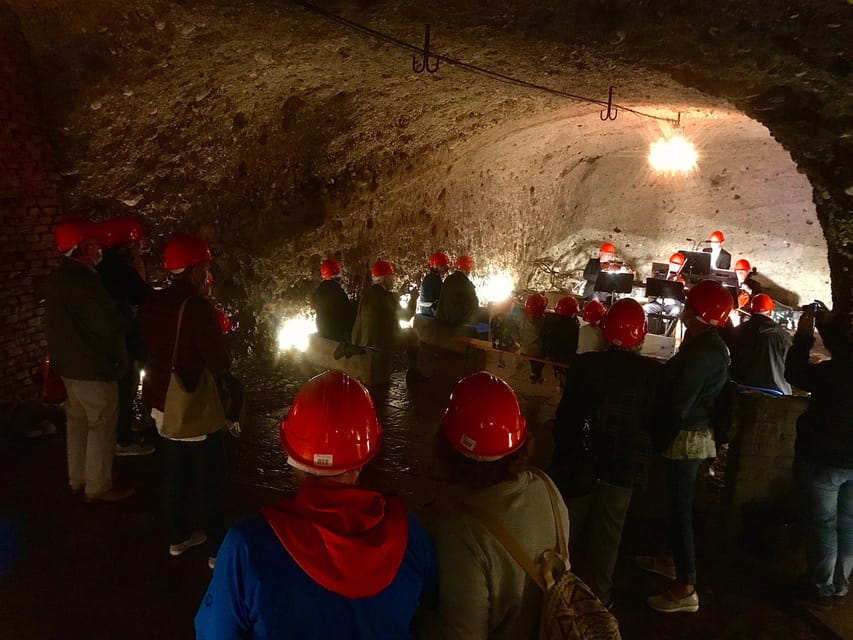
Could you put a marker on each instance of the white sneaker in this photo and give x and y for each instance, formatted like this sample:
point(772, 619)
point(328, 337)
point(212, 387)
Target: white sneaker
point(666, 604)
point(134, 449)
point(211, 562)
point(197, 538)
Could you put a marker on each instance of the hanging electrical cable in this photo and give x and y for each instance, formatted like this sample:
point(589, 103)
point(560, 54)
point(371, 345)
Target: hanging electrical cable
point(495, 75)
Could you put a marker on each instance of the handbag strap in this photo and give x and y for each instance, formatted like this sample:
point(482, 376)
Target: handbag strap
point(508, 541)
point(178, 333)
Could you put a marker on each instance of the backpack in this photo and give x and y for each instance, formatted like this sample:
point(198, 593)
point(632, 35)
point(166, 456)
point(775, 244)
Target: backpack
point(570, 610)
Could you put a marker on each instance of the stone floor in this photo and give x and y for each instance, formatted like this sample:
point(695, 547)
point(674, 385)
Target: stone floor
point(103, 571)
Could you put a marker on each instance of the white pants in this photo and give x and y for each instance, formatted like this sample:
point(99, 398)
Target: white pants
point(91, 412)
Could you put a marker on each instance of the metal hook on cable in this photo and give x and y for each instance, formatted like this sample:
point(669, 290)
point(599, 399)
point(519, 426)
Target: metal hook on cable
point(612, 112)
point(425, 64)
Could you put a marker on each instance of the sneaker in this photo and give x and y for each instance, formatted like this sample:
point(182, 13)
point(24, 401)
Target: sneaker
point(211, 562)
point(197, 538)
point(655, 564)
point(116, 494)
point(134, 449)
point(665, 603)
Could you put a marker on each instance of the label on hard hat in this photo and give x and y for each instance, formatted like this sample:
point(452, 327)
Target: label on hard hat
point(323, 459)
point(468, 443)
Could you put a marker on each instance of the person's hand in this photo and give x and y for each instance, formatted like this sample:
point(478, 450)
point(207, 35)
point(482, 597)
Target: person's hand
point(806, 324)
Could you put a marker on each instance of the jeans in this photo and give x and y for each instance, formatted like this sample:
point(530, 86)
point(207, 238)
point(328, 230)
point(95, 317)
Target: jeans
point(826, 502)
point(596, 522)
point(681, 480)
point(202, 463)
point(91, 411)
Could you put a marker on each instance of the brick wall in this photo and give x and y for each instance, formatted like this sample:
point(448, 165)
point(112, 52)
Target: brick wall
point(29, 206)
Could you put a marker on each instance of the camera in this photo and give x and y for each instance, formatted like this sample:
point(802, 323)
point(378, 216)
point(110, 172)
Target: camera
point(812, 306)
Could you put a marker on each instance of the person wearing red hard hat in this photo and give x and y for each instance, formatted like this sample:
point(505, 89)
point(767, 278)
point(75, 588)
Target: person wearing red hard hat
point(748, 285)
point(121, 238)
point(376, 323)
point(335, 312)
point(430, 290)
point(602, 441)
point(531, 332)
point(560, 334)
point(666, 306)
point(720, 258)
point(758, 348)
point(334, 560)
point(693, 378)
point(604, 262)
point(86, 345)
point(483, 591)
point(458, 304)
point(182, 334)
point(589, 333)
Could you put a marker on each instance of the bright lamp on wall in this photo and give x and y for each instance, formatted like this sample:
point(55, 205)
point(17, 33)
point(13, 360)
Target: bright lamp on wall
point(673, 155)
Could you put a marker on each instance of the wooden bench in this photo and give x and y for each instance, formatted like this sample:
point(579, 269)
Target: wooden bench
point(372, 367)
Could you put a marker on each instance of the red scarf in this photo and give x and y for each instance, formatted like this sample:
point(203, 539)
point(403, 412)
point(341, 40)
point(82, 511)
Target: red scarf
point(349, 540)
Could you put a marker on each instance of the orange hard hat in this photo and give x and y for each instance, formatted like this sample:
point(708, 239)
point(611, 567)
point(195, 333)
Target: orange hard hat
point(593, 312)
point(676, 258)
point(381, 268)
point(711, 302)
point(567, 306)
point(119, 231)
point(483, 420)
point(185, 251)
point(607, 248)
point(464, 263)
point(329, 268)
point(70, 233)
point(331, 427)
point(762, 303)
point(742, 265)
point(624, 325)
point(716, 236)
point(535, 305)
point(439, 259)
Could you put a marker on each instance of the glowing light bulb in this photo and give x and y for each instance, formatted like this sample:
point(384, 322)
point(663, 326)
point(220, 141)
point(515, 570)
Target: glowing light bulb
point(294, 331)
point(673, 155)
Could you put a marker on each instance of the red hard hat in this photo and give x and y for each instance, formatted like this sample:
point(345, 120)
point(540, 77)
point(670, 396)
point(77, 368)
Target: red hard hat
point(742, 265)
point(185, 251)
point(607, 248)
point(439, 259)
point(225, 324)
point(762, 303)
point(329, 268)
point(716, 236)
point(483, 420)
point(567, 306)
point(625, 324)
point(711, 302)
point(676, 258)
point(535, 305)
point(331, 426)
point(464, 263)
point(381, 268)
point(593, 312)
point(70, 233)
point(119, 231)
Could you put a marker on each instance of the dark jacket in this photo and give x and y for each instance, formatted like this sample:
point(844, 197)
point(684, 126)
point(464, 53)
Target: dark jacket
point(431, 286)
point(753, 284)
point(201, 344)
point(376, 322)
point(724, 261)
point(825, 430)
point(590, 274)
point(560, 337)
point(606, 411)
point(458, 303)
point(693, 380)
point(85, 329)
point(758, 349)
point(335, 312)
point(129, 291)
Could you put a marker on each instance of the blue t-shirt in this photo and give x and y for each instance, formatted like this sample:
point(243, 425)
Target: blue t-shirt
point(257, 591)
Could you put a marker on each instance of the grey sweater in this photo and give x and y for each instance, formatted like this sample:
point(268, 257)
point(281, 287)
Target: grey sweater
point(483, 592)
